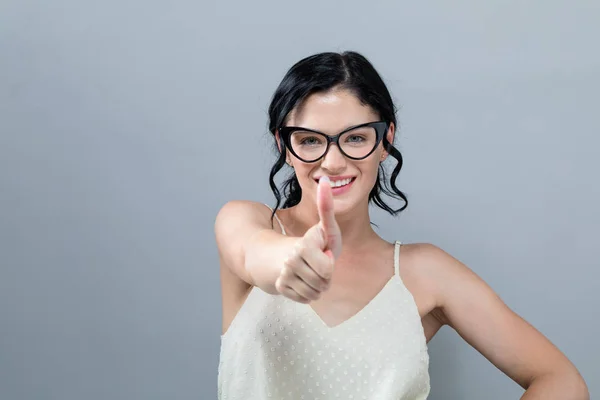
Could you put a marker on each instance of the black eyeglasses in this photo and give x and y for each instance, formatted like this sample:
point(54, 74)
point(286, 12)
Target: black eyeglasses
point(356, 142)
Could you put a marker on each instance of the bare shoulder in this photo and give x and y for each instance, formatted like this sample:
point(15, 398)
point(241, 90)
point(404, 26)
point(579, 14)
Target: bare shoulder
point(427, 254)
point(241, 211)
point(240, 217)
point(420, 265)
point(235, 223)
point(430, 262)
point(446, 278)
point(472, 308)
point(426, 262)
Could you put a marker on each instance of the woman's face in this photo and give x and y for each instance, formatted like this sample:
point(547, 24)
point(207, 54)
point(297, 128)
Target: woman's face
point(331, 113)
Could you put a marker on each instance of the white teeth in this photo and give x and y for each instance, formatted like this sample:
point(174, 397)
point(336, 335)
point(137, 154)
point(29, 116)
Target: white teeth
point(343, 182)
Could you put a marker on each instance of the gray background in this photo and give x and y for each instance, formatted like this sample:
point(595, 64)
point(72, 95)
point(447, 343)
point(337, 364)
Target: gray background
point(126, 125)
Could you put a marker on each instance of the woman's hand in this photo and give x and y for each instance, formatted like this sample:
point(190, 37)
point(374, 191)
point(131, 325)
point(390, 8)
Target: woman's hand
point(307, 271)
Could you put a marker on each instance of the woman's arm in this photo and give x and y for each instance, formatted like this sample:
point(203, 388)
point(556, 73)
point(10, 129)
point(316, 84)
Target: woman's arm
point(514, 346)
point(248, 245)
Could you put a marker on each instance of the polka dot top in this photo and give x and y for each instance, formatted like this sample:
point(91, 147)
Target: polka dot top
point(277, 348)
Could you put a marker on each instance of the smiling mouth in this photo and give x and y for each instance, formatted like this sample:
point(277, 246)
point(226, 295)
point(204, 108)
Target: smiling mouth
point(340, 183)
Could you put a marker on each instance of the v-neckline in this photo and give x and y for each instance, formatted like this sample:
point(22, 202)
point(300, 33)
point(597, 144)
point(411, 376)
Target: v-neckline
point(353, 317)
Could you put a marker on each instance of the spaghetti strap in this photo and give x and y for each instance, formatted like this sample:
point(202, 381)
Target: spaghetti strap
point(278, 220)
point(397, 257)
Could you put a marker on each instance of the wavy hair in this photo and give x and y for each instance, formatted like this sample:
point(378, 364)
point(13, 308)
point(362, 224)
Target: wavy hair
point(323, 72)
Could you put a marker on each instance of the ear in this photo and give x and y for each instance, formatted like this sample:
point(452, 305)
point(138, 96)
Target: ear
point(280, 146)
point(390, 138)
point(278, 140)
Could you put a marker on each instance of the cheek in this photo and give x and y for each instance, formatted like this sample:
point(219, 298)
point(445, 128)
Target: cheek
point(369, 173)
point(370, 169)
point(303, 173)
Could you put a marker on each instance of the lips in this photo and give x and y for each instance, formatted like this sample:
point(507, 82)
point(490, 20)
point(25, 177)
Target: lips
point(341, 186)
point(337, 181)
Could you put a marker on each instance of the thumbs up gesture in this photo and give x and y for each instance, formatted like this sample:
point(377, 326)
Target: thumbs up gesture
point(307, 271)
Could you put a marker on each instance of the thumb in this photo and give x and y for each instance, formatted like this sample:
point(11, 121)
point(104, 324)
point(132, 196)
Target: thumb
point(325, 209)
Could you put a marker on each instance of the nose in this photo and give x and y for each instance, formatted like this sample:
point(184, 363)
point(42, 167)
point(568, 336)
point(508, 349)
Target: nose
point(333, 161)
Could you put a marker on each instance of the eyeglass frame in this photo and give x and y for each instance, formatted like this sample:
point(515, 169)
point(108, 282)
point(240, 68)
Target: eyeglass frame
point(381, 127)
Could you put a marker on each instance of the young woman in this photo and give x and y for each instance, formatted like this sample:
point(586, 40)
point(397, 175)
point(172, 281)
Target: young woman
point(315, 304)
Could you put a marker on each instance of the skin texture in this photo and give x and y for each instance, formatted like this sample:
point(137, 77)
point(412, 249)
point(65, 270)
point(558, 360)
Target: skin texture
point(333, 260)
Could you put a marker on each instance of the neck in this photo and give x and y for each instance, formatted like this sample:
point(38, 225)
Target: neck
point(354, 224)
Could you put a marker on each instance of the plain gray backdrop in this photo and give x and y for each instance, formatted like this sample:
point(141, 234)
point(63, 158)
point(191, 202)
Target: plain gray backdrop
point(126, 125)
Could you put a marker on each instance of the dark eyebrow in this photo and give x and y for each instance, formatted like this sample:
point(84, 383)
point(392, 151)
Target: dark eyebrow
point(347, 127)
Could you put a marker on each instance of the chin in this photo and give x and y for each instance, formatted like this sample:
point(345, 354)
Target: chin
point(346, 204)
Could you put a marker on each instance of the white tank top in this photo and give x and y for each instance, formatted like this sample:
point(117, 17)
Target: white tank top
point(276, 348)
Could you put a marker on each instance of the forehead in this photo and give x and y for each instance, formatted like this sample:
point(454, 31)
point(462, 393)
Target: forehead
point(331, 112)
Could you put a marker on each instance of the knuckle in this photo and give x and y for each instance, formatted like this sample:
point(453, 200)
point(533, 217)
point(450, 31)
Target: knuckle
point(324, 285)
point(286, 275)
point(317, 284)
point(306, 299)
point(288, 268)
point(301, 247)
point(325, 271)
point(279, 285)
point(313, 235)
point(312, 293)
point(299, 243)
point(288, 262)
point(295, 296)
